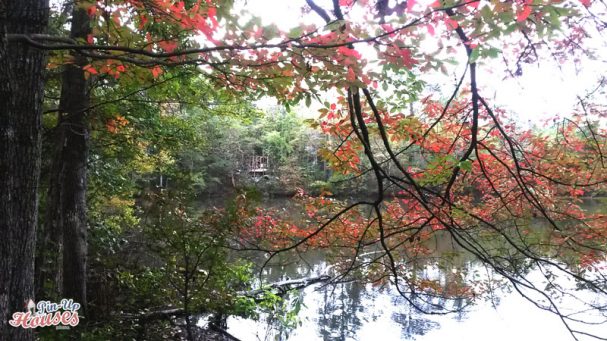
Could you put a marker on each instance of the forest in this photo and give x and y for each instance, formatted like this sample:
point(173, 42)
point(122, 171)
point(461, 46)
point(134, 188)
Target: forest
point(303, 170)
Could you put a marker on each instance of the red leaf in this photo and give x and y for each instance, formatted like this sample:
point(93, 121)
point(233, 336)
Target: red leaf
point(90, 69)
point(156, 71)
point(346, 51)
point(142, 21)
point(451, 23)
point(586, 3)
point(178, 7)
point(212, 12)
point(351, 77)
point(168, 46)
point(116, 18)
point(91, 10)
point(407, 60)
point(522, 16)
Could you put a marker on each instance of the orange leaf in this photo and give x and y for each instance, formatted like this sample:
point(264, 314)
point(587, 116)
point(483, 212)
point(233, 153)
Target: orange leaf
point(121, 120)
point(110, 125)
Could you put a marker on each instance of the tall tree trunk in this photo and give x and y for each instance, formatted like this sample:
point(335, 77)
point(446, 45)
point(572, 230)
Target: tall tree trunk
point(21, 93)
point(73, 106)
point(49, 247)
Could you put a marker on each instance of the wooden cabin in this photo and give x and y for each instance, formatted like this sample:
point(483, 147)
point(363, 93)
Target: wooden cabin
point(258, 165)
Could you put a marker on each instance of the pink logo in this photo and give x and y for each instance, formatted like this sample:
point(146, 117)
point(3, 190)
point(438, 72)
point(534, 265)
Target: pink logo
point(45, 314)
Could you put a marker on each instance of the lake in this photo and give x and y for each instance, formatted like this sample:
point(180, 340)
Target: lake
point(358, 311)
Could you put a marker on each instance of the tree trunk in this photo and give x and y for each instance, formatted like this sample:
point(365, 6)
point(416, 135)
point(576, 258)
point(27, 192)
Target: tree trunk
point(49, 248)
point(21, 93)
point(61, 259)
point(73, 106)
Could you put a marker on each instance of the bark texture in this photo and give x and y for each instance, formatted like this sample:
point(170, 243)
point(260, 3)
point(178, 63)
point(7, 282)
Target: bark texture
point(21, 94)
point(49, 248)
point(73, 106)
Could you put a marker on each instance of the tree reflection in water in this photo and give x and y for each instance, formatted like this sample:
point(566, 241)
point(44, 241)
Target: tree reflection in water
point(354, 310)
point(338, 313)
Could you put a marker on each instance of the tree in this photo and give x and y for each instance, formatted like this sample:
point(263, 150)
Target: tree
point(479, 174)
point(21, 90)
point(73, 156)
point(65, 228)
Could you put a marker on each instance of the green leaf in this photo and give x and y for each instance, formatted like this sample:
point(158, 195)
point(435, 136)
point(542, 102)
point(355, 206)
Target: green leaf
point(474, 56)
point(466, 165)
point(271, 31)
point(492, 52)
point(487, 15)
point(295, 32)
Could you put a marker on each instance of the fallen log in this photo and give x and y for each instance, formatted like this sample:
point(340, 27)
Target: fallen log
point(285, 286)
point(281, 288)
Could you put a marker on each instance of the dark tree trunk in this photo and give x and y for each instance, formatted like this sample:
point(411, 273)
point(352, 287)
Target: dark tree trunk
point(21, 93)
point(61, 259)
point(49, 248)
point(73, 106)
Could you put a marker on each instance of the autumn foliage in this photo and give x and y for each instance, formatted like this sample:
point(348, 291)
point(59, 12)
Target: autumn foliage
point(445, 160)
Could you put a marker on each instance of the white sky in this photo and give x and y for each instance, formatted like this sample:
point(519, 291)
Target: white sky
point(542, 91)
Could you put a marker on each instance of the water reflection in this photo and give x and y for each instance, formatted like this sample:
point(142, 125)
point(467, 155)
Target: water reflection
point(339, 312)
point(354, 311)
point(345, 308)
point(347, 311)
point(361, 311)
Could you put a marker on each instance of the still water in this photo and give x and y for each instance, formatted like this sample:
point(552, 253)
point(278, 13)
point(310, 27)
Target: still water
point(354, 311)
